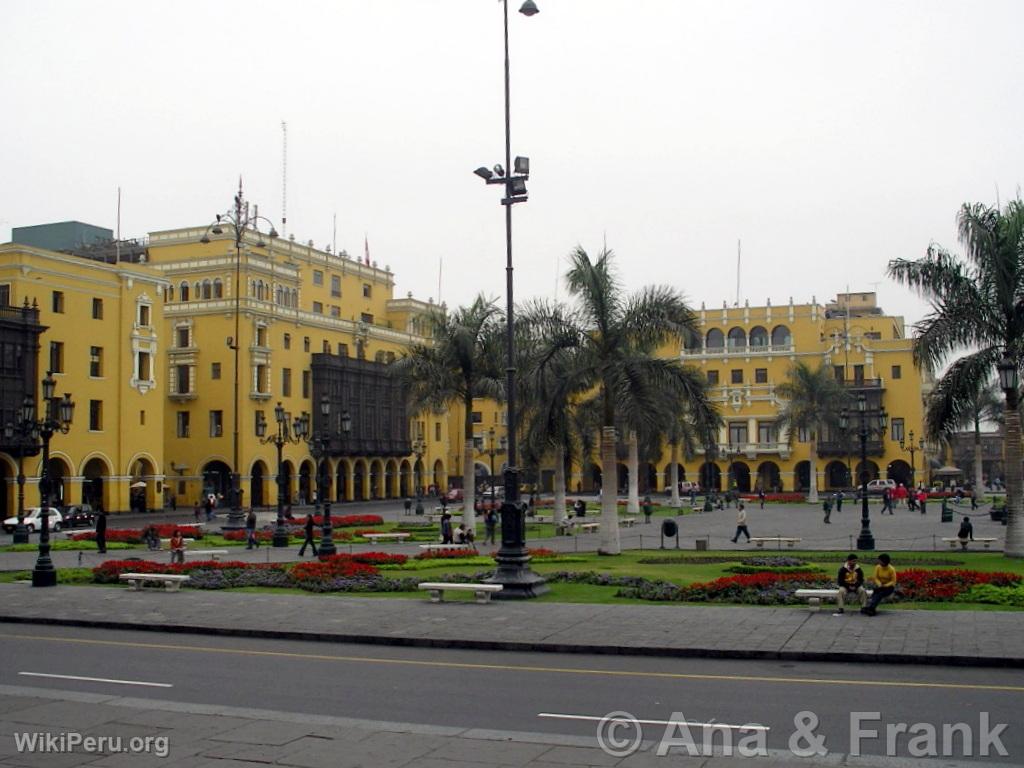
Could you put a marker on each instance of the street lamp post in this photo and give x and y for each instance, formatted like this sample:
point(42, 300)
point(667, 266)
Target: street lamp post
point(418, 448)
point(513, 571)
point(1009, 381)
point(912, 448)
point(320, 446)
point(58, 412)
point(25, 434)
point(240, 219)
point(494, 449)
point(865, 541)
point(287, 432)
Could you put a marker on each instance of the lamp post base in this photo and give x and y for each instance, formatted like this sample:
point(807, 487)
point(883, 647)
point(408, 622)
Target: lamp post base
point(518, 582)
point(20, 534)
point(865, 541)
point(42, 577)
point(280, 534)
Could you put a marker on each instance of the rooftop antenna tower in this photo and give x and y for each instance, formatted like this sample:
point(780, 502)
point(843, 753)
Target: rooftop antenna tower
point(334, 236)
point(117, 247)
point(739, 251)
point(284, 179)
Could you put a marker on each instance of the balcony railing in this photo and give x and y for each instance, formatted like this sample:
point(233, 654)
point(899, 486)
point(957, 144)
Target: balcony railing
point(849, 448)
point(746, 350)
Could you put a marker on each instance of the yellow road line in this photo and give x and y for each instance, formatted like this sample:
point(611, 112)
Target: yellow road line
point(525, 668)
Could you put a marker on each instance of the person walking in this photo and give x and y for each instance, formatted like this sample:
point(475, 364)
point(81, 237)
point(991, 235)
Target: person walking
point(851, 584)
point(208, 504)
point(839, 501)
point(886, 501)
point(447, 536)
point(408, 505)
point(885, 584)
point(741, 523)
point(922, 499)
point(195, 512)
point(490, 525)
point(250, 530)
point(101, 532)
point(308, 528)
point(826, 507)
point(761, 496)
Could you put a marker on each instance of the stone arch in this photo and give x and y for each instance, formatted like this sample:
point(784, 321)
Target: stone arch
point(341, 473)
point(592, 478)
point(307, 476)
point(216, 476)
point(376, 478)
point(869, 468)
point(438, 477)
point(899, 471)
point(287, 481)
point(680, 472)
point(647, 477)
point(405, 479)
point(218, 289)
point(95, 474)
point(768, 477)
point(391, 479)
point(740, 476)
point(325, 471)
point(144, 498)
point(257, 484)
point(183, 291)
point(714, 339)
point(737, 338)
point(781, 337)
point(359, 489)
point(802, 476)
point(759, 336)
point(837, 475)
point(207, 289)
point(710, 476)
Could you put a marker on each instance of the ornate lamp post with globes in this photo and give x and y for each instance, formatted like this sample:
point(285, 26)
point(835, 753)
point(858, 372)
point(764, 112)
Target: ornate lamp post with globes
point(912, 448)
point(58, 412)
point(865, 541)
point(25, 434)
point(287, 432)
point(319, 447)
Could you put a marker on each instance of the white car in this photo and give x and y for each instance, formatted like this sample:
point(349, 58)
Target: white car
point(34, 520)
point(879, 485)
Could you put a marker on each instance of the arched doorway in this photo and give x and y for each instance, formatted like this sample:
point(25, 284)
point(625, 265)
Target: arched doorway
point(648, 478)
point(359, 481)
point(94, 475)
point(141, 492)
point(802, 481)
point(287, 473)
point(374, 479)
point(681, 475)
point(306, 482)
point(710, 477)
point(258, 476)
point(438, 475)
point(341, 480)
point(899, 471)
point(592, 479)
point(866, 471)
point(622, 479)
point(390, 478)
point(217, 480)
point(837, 475)
point(324, 471)
point(405, 479)
point(768, 477)
point(740, 476)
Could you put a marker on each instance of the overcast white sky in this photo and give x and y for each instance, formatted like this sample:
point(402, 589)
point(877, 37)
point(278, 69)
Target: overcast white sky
point(830, 137)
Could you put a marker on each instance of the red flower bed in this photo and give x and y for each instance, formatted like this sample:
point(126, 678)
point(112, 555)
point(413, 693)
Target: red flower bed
point(244, 536)
point(134, 535)
point(379, 558)
point(442, 554)
point(924, 586)
point(335, 566)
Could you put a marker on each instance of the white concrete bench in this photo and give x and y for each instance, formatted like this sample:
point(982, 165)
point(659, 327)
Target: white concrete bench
point(212, 554)
point(434, 547)
point(171, 582)
point(375, 537)
point(790, 542)
point(483, 591)
point(588, 527)
point(987, 542)
point(539, 519)
point(627, 522)
point(815, 596)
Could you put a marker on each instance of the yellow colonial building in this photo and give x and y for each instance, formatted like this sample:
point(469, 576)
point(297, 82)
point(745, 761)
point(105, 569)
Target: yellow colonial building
point(101, 338)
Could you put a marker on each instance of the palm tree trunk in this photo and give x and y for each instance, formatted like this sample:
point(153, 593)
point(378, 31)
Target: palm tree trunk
point(673, 474)
point(1014, 546)
point(468, 487)
point(559, 516)
point(979, 487)
point(812, 458)
point(609, 495)
point(633, 507)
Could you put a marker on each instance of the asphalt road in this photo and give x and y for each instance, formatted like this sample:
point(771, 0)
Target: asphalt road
point(523, 692)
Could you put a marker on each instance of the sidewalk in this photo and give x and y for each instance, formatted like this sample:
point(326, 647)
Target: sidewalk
point(982, 638)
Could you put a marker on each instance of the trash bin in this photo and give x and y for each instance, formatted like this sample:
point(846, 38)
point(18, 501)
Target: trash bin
point(702, 545)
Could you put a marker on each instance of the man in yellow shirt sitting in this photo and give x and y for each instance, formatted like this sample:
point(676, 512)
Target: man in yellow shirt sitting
point(885, 584)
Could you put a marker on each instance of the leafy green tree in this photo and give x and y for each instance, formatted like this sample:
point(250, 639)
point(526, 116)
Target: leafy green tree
point(977, 306)
point(463, 361)
point(616, 340)
point(814, 400)
point(950, 409)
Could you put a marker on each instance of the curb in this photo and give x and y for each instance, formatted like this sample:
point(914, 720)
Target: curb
point(535, 647)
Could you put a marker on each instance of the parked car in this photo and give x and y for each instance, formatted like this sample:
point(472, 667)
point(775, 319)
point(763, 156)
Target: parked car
point(77, 515)
point(685, 486)
point(879, 485)
point(33, 520)
point(455, 494)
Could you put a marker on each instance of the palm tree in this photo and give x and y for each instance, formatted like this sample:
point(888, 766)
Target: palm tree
point(616, 338)
point(462, 362)
point(977, 305)
point(815, 399)
point(950, 409)
point(695, 426)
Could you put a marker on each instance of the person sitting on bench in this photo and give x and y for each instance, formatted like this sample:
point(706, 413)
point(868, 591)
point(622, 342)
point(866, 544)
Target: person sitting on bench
point(464, 535)
point(885, 584)
point(966, 532)
point(851, 583)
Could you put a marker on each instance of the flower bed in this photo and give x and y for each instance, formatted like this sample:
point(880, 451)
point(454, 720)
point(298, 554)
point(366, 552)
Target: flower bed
point(109, 572)
point(380, 558)
point(349, 521)
point(134, 535)
point(930, 586)
point(446, 554)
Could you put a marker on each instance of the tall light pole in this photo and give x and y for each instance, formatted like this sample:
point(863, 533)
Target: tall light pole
point(1009, 381)
point(287, 432)
point(418, 448)
point(58, 412)
point(240, 219)
point(320, 448)
point(865, 540)
point(513, 571)
point(912, 448)
point(25, 434)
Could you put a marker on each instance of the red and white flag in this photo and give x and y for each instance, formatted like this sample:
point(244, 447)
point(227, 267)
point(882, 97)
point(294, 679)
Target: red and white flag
point(366, 249)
